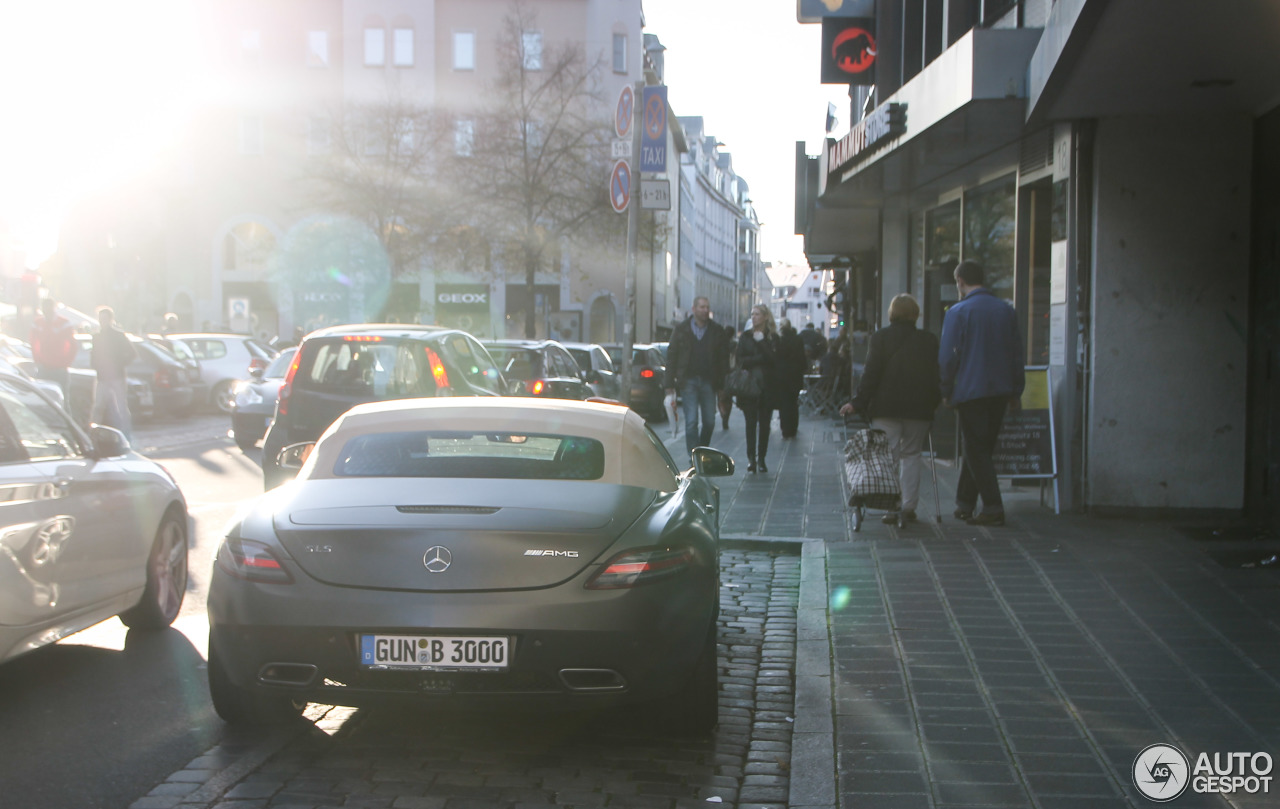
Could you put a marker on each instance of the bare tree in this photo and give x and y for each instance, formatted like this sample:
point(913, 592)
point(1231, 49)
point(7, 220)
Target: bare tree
point(381, 167)
point(539, 160)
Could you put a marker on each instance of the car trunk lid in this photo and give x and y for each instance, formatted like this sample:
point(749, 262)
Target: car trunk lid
point(453, 535)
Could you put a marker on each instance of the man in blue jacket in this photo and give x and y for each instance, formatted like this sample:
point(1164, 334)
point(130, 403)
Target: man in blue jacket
point(981, 363)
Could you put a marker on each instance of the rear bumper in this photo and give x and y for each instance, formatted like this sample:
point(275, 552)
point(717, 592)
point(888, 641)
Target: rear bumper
point(633, 645)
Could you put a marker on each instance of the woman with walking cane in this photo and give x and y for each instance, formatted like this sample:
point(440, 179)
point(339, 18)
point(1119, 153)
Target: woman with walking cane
point(898, 393)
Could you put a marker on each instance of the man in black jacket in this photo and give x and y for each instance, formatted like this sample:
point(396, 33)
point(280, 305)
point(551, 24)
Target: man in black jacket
point(697, 361)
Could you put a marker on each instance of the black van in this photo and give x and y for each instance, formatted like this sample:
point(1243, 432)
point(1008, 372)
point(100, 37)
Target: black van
point(339, 367)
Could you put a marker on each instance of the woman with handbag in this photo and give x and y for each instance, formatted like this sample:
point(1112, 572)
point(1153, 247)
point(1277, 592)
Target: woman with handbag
point(757, 354)
point(899, 390)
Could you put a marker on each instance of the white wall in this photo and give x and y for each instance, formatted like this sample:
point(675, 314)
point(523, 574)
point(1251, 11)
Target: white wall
point(1166, 423)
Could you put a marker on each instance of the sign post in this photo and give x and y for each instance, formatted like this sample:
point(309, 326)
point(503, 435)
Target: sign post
point(633, 233)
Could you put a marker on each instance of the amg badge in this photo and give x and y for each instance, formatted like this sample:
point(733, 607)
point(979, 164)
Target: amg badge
point(538, 552)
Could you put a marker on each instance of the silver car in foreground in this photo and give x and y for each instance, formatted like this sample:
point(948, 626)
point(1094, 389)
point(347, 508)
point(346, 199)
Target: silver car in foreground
point(509, 551)
point(88, 528)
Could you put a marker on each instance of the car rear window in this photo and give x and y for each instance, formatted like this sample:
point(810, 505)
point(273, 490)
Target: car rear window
point(517, 363)
point(382, 369)
point(441, 454)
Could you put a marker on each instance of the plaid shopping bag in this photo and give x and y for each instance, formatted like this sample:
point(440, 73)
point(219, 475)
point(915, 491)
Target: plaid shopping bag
point(871, 472)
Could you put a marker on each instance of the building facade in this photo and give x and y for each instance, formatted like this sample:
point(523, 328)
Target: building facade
point(1119, 194)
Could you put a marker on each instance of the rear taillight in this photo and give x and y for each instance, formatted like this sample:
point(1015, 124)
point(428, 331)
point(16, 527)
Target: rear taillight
point(161, 379)
point(257, 364)
point(252, 561)
point(646, 373)
point(282, 401)
point(641, 567)
point(536, 386)
point(438, 372)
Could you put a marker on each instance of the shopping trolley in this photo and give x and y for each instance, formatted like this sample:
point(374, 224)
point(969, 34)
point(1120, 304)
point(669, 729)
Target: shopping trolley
point(871, 470)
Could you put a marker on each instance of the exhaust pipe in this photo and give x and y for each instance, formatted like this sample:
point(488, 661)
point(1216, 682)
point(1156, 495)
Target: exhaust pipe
point(592, 680)
point(297, 675)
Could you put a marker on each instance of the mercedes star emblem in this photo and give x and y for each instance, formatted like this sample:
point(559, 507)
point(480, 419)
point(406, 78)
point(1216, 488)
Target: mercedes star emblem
point(437, 559)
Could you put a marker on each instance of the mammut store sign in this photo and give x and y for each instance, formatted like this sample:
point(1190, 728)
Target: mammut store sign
point(886, 121)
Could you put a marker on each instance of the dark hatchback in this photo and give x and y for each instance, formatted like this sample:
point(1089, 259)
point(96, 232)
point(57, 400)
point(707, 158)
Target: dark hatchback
point(648, 379)
point(542, 368)
point(340, 367)
point(165, 390)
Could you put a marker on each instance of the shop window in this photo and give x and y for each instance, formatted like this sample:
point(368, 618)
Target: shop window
point(990, 224)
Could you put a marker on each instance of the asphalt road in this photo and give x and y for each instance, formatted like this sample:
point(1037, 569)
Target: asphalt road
point(97, 719)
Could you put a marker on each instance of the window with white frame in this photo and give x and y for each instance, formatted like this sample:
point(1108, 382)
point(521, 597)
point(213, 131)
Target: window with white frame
point(375, 47)
point(317, 134)
point(464, 137)
point(402, 47)
point(250, 134)
point(464, 50)
point(619, 53)
point(404, 135)
point(317, 49)
point(531, 50)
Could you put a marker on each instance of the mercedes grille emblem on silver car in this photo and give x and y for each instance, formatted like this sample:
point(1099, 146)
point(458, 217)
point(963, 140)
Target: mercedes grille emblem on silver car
point(437, 559)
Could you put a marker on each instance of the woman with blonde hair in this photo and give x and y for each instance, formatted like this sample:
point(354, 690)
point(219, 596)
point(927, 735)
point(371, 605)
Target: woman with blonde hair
point(899, 390)
point(757, 352)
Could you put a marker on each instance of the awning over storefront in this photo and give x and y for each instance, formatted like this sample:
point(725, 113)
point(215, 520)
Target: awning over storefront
point(957, 120)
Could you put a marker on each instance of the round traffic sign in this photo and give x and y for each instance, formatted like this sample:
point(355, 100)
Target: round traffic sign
point(620, 186)
point(655, 117)
point(622, 118)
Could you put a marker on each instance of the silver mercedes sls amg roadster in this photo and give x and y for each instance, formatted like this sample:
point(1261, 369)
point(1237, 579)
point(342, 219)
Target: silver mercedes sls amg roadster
point(495, 550)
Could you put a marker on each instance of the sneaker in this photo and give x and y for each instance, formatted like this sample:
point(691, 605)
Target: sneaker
point(986, 518)
point(965, 514)
point(763, 468)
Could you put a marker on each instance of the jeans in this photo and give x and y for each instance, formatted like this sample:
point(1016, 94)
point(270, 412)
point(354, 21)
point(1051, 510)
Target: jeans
point(980, 421)
point(111, 405)
point(699, 400)
point(759, 416)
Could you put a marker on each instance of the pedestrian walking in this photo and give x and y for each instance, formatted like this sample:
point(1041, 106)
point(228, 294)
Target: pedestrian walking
point(112, 352)
point(815, 344)
point(982, 375)
point(899, 392)
point(791, 366)
point(53, 346)
point(758, 352)
point(697, 361)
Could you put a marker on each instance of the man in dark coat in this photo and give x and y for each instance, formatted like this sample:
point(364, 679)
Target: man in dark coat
point(697, 361)
point(791, 363)
point(112, 352)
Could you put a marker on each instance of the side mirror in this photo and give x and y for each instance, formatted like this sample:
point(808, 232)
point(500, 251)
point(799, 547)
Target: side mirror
point(108, 442)
point(294, 455)
point(711, 463)
point(257, 373)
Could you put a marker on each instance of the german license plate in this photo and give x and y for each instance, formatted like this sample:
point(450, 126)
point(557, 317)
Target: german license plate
point(434, 652)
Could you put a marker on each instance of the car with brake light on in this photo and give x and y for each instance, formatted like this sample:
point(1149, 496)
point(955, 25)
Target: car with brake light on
point(255, 400)
point(542, 368)
point(339, 367)
point(89, 529)
point(500, 551)
point(648, 378)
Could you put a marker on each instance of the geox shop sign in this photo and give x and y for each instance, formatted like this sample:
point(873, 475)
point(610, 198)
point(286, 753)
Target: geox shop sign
point(886, 121)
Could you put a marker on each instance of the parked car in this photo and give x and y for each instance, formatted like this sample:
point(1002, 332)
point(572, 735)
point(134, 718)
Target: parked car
point(539, 368)
point(149, 370)
point(594, 361)
point(339, 367)
point(183, 353)
point(112, 540)
point(255, 400)
point(648, 379)
point(225, 359)
point(507, 551)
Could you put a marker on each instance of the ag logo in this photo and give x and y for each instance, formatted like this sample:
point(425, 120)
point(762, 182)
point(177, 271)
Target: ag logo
point(1161, 772)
